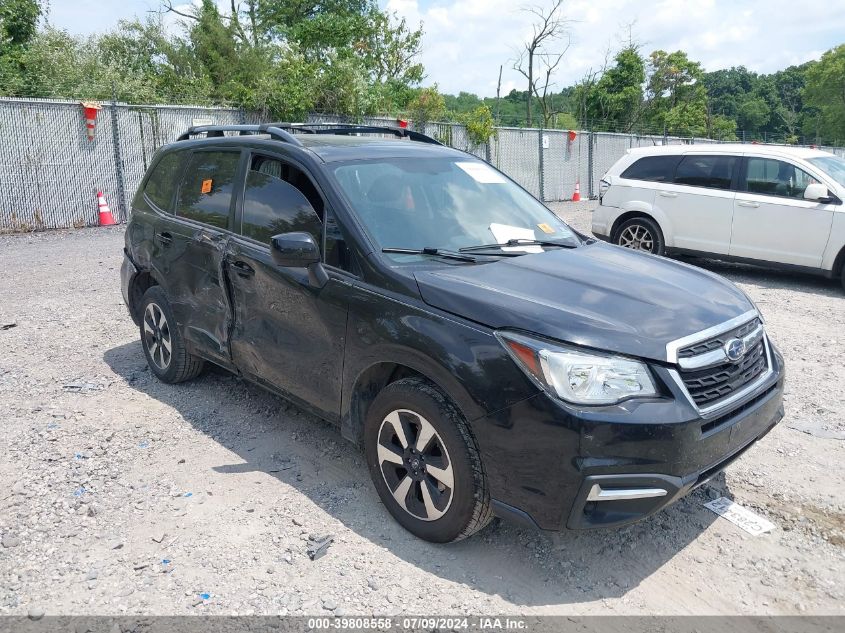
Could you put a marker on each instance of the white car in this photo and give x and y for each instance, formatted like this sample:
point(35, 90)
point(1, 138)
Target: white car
point(767, 205)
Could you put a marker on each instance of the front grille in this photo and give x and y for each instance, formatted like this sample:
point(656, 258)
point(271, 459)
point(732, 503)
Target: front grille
point(710, 385)
point(718, 341)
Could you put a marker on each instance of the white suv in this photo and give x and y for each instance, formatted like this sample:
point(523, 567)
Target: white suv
point(767, 205)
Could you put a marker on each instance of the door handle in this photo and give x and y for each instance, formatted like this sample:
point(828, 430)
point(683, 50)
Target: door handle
point(748, 203)
point(243, 269)
point(165, 238)
point(668, 194)
point(208, 239)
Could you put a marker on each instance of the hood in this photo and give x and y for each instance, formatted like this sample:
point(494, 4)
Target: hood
point(597, 295)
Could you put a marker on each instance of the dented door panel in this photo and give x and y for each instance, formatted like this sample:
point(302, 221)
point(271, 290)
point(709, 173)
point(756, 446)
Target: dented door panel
point(287, 333)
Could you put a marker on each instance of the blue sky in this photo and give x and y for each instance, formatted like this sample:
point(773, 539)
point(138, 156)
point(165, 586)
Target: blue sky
point(466, 40)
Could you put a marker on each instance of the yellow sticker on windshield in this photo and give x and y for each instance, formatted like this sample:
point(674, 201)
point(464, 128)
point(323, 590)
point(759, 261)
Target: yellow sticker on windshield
point(545, 228)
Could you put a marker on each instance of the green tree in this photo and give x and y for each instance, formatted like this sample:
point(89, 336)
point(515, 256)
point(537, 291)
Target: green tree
point(18, 27)
point(615, 101)
point(753, 114)
point(676, 99)
point(429, 105)
point(480, 125)
point(825, 91)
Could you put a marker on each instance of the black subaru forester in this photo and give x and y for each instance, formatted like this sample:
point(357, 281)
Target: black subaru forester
point(490, 359)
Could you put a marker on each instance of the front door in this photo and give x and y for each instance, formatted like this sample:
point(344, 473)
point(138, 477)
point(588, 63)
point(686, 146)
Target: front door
point(288, 333)
point(699, 202)
point(772, 221)
point(197, 238)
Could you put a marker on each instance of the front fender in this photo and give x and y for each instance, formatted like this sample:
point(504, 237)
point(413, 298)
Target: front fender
point(464, 359)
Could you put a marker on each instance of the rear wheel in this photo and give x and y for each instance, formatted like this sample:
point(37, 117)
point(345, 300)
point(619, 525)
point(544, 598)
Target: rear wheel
point(163, 345)
point(425, 463)
point(843, 278)
point(640, 234)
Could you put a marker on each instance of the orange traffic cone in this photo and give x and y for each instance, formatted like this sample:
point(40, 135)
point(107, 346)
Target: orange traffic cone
point(106, 218)
point(91, 109)
point(576, 197)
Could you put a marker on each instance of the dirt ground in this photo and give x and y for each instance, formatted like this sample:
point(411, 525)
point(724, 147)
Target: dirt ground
point(123, 495)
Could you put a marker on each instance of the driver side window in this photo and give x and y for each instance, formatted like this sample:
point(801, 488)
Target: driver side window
point(279, 198)
point(770, 177)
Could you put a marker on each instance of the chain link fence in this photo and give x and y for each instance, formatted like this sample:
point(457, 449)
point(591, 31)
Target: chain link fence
point(50, 172)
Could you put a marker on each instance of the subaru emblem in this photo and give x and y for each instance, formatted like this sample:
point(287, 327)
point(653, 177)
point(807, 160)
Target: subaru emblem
point(735, 349)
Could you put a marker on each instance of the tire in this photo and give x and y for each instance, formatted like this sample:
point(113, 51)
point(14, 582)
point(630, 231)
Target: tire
point(642, 234)
point(452, 513)
point(158, 327)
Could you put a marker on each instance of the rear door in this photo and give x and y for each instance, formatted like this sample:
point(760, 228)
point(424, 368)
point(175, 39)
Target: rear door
point(287, 333)
point(699, 202)
point(772, 221)
point(196, 243)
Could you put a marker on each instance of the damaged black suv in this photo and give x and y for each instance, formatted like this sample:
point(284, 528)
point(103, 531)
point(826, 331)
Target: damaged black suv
point(489, 359)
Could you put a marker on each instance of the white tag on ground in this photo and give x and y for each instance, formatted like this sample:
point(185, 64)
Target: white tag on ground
point(743, 517)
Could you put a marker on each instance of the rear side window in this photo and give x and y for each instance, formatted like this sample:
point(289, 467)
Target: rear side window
point(206, 191)
point(272, 205)
point(713, 172)
point(162, 183)
point(653, 168)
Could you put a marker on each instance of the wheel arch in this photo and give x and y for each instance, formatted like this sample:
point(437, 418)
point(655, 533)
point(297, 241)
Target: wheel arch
point(370, 381)
point(142, 281)
point(838, 263)
point(644, 211)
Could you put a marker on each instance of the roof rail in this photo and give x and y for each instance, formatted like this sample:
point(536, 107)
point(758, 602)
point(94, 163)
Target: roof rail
point(212, 131)
point(282, 131)
point(334, 128)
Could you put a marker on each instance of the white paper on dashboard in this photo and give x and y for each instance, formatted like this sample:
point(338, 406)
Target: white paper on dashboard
point(504, 232)
point(482, 173)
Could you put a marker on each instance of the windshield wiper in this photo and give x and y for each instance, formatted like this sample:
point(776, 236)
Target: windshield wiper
point(516, 242)
point(431, 251)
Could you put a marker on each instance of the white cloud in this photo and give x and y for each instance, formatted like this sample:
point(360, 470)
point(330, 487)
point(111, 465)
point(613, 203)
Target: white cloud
point(466, 40)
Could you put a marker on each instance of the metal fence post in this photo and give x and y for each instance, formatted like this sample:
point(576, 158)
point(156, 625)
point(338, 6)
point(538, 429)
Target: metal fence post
point(591, 155)
point(118, 160)
point(542, 167)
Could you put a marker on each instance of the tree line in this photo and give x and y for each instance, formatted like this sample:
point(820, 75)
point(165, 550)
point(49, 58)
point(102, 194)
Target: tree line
point(668, 93)
point(287, 58)
point(282, 58)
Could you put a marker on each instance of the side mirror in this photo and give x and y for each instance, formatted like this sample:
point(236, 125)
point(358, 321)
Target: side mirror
point(817, 192)
point(294, 250)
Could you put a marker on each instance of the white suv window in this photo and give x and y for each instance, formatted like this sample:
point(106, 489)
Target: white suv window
point(713, 172)
point(771, 177)
point(653, 168)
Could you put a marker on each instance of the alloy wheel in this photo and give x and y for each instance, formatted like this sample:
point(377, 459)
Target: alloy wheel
point(637, 237)
point(415, 465)
point(157, 338)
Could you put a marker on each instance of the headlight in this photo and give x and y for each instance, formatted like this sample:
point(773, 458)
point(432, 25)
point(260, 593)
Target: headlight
point(577, 376)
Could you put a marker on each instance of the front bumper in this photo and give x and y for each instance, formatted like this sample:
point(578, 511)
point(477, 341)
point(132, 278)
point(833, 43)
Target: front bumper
point(549, 464)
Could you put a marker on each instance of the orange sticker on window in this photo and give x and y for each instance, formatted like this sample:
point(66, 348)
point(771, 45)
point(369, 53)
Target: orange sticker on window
point(545, 228)
point(206, 185)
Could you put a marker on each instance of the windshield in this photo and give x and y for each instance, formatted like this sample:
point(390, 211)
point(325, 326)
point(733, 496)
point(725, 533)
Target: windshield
point(445, 203)
point(833, 166)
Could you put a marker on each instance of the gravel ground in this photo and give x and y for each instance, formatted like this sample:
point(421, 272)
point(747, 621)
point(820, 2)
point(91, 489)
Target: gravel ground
point(123, 495)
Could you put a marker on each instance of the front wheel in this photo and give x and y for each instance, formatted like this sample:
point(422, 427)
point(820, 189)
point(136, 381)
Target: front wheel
point(640, 234)
point(424, 462)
